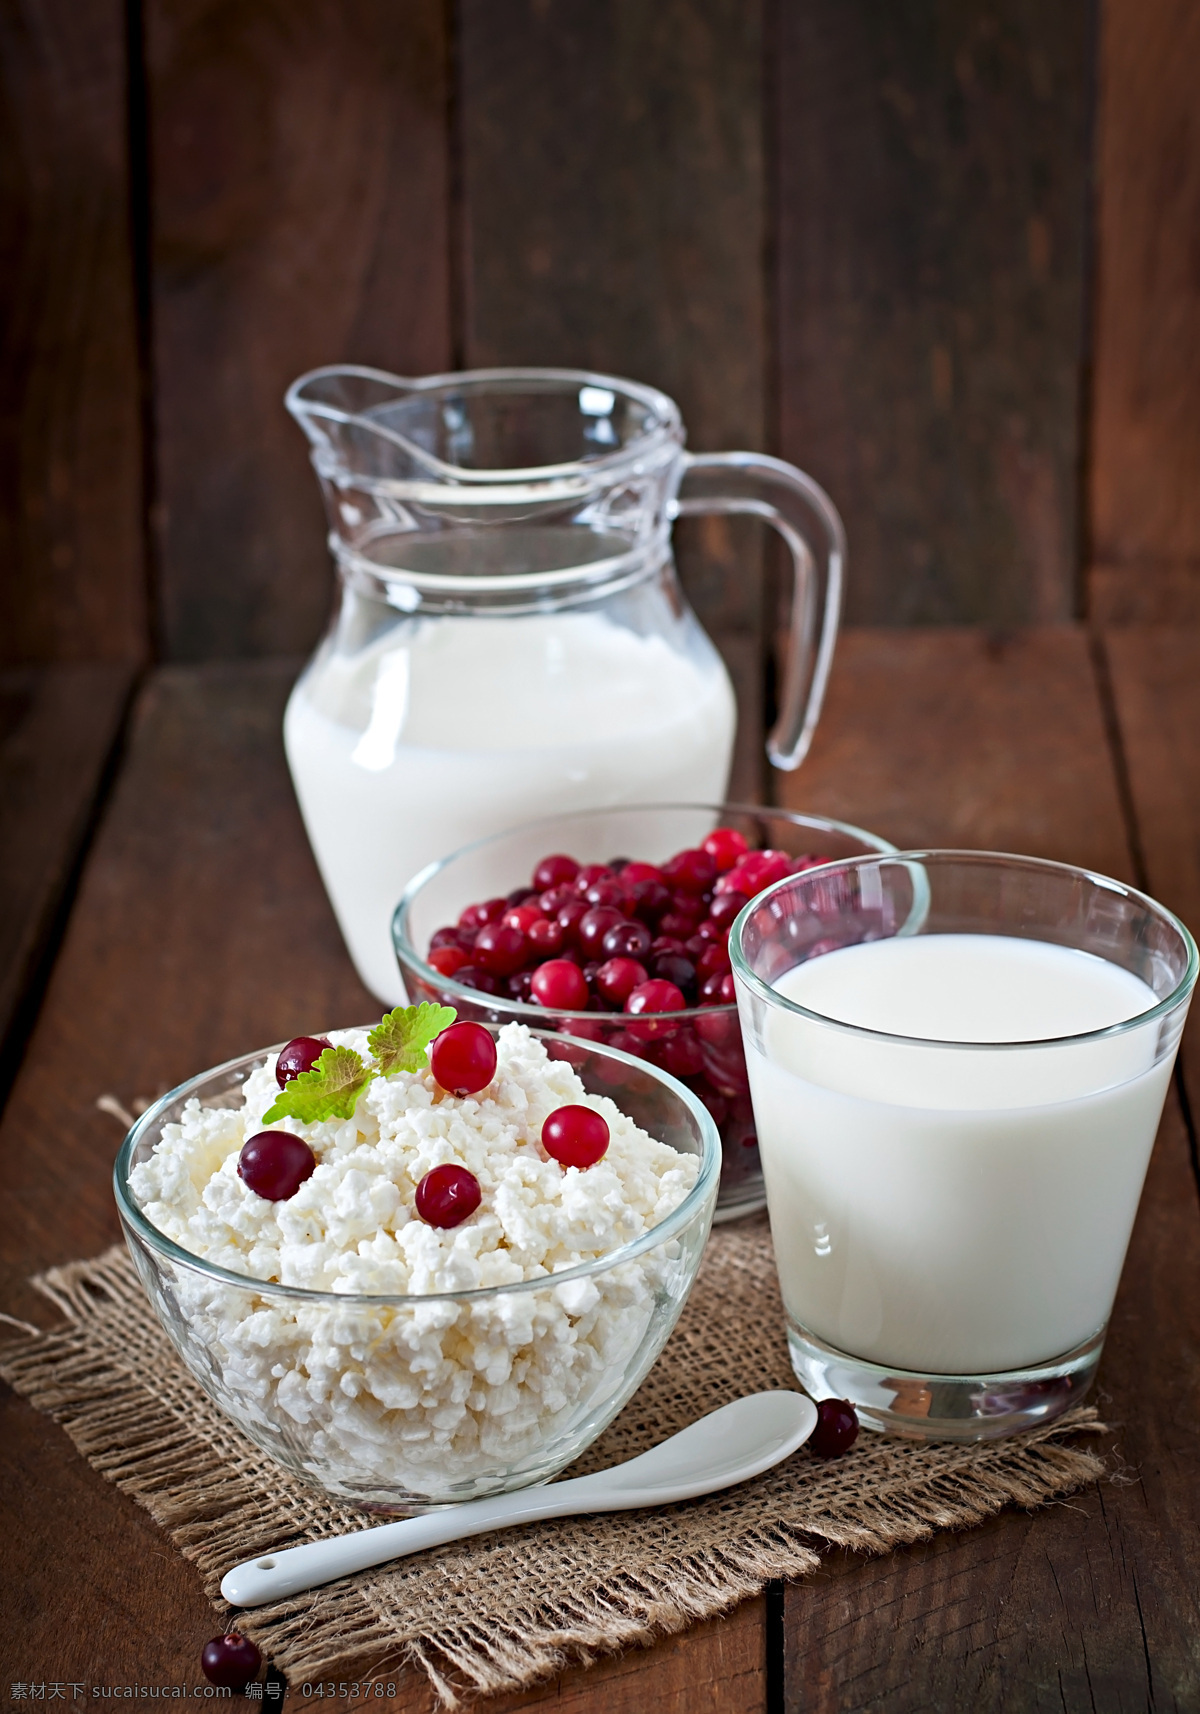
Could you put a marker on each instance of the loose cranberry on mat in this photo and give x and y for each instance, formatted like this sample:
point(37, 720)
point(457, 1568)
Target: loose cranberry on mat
point(836, 1430)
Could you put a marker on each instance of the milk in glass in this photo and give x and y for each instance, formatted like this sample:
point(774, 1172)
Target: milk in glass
point(954, 1208)
point(450, 729)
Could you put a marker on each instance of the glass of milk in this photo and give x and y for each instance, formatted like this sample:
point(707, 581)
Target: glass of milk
point(510, 639)
point(957, 1063)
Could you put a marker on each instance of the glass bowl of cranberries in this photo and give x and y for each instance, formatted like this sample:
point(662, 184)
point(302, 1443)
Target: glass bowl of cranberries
point(400, 1401)
point(611, 926)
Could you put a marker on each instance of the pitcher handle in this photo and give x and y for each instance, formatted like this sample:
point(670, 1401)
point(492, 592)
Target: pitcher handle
point(807, 519)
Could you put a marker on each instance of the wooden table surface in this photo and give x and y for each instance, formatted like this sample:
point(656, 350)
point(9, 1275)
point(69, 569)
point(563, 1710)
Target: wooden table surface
point(162, 912)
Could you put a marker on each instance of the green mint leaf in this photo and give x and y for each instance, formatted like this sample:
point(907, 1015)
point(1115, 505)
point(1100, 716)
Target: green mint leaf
point(329, 1091)
point(401, 1041)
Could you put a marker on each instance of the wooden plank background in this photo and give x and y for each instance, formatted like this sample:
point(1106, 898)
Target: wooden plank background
point(899, 244)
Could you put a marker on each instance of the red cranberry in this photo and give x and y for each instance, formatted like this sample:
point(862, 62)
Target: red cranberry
point(633, 872)
point(447, 959)
point(520, 985)
point(554, 899)
point(519, 896)
point(463, 1059)
point(681, 1054)
point(626, 940)
point(725, 845)
point(475, 916)
point(590, 969)
point(575, 1136)
point(616, 979)
point(584, 1029)
point(448, 1194)
point(690, 871)
point(570, 917)
point(593, 927)
point(650, 899)
point(607, 892)
point(719, 1029)
point(726, 1069)
point(674, 967)
point(560, 985)
point(554, 871)
point(500, 949)
point(654, 996)
point(522, 917)
point(759, 869)
point(590, 873)
point(836, 1430)
point(230, 1661)
point(545, 936)
point(726, 906)
point(718, 989)
point(713, 961)
point(663, 943)
point(677, 926)
point(445, 937)
point(625, 1043)
point(299, 1056)
point(471, 976)
point(694, 945)
point(274, 1164)
point(716, 1103)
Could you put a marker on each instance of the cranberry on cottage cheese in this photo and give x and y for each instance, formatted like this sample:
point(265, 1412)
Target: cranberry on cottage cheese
point(424, 1394)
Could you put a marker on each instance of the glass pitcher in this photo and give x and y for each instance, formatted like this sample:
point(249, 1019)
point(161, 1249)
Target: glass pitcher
point(511, 639)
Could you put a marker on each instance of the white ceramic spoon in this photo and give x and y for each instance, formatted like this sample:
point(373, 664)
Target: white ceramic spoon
point(730, 1445)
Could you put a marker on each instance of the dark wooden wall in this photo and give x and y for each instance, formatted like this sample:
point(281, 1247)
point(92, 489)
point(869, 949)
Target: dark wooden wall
point(940, 252)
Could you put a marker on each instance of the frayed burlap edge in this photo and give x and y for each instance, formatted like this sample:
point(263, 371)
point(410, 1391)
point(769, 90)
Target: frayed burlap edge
point(150, 1430)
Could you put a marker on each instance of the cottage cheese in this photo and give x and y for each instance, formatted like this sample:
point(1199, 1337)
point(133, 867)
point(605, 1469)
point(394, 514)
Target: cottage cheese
point(428, 1399)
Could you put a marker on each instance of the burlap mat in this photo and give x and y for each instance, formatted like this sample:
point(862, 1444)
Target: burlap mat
point(502, 1611)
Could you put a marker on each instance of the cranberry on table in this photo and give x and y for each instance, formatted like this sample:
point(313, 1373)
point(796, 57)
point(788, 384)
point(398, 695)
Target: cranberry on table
point(552, 871)
point(230, 1661)
point(836, 1430)
point(560, 985)
point(500, 948)
point(447, 1196)
point(463, 1059)
point(274, 1164)
point(448, 959)
point(617, 978)
point(299, 1056)
point(725, 845)
point(575, 1136)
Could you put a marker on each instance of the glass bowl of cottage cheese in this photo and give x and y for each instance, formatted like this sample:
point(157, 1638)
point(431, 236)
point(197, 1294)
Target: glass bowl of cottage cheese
point(393, 1363)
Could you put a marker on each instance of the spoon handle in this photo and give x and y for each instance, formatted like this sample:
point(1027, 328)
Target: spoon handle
point(274, 1576)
